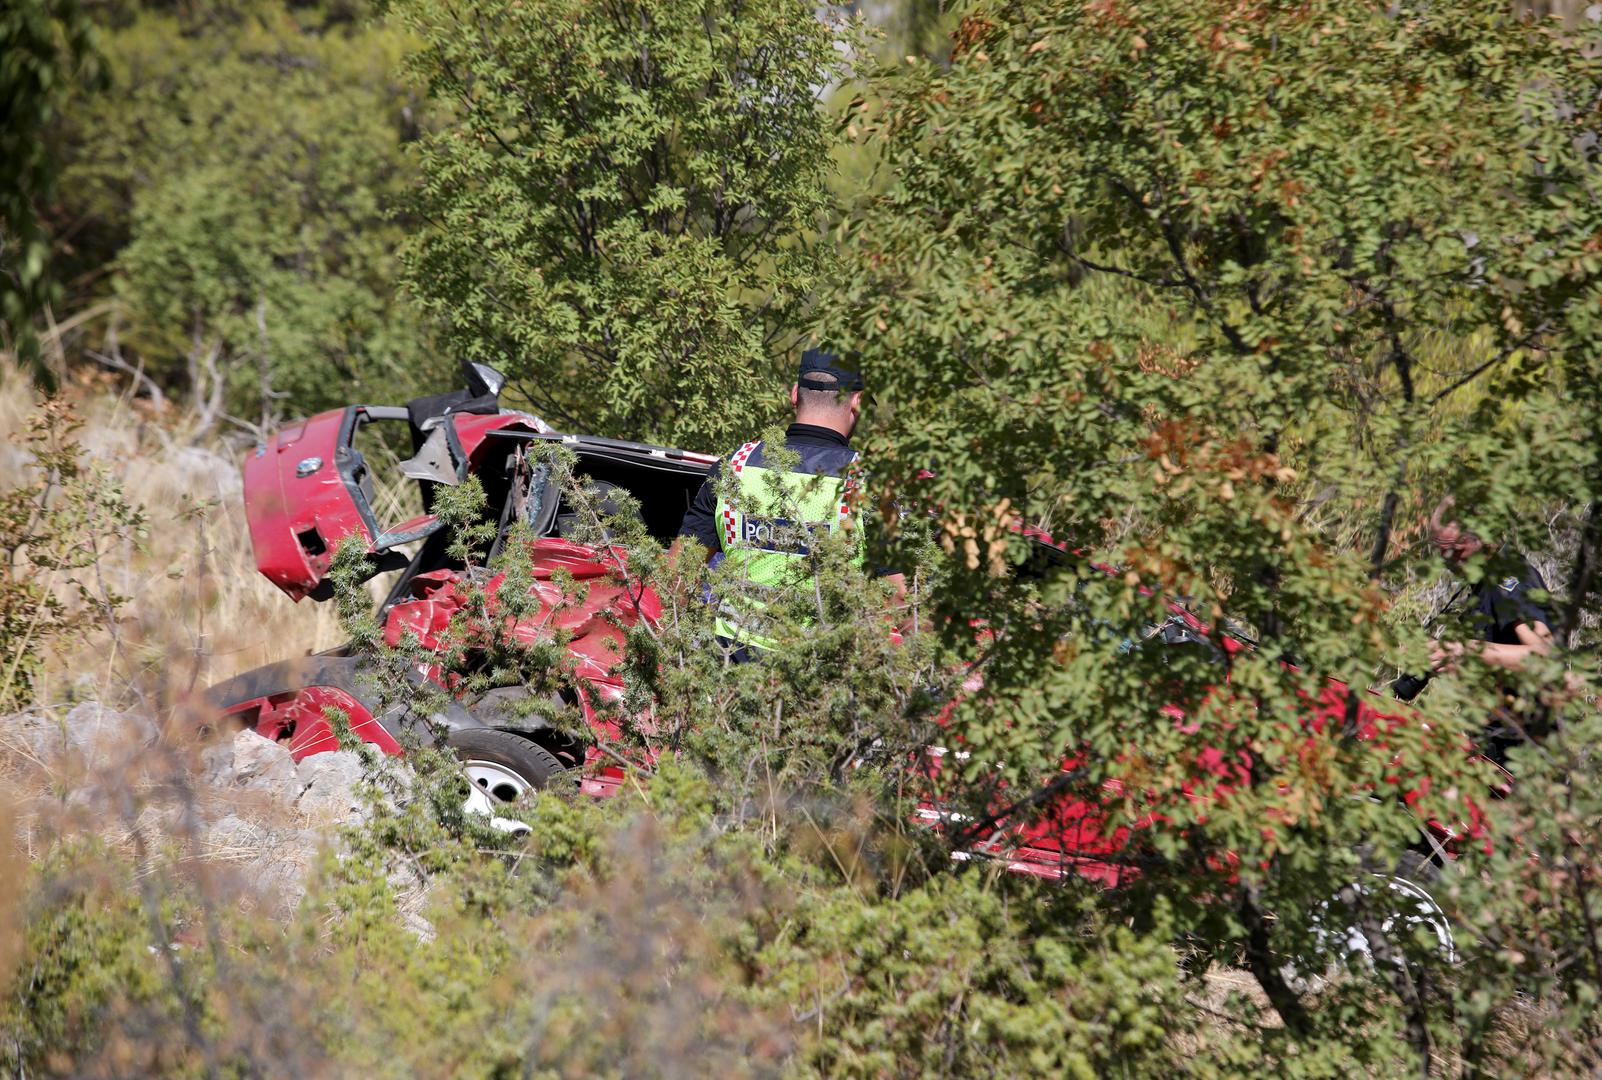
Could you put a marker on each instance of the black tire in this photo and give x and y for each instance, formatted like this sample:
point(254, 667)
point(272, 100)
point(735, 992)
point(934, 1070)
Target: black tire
point(505, 708)
point(536, 766)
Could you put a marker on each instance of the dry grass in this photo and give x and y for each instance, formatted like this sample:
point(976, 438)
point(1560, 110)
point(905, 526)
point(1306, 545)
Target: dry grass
point(200, 612)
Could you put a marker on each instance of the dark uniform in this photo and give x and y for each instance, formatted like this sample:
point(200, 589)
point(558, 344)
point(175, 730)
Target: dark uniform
point(1499, 608)
point(1496, 609)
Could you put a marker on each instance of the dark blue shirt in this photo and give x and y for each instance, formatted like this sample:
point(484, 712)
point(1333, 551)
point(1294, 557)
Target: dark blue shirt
point(1500, 606)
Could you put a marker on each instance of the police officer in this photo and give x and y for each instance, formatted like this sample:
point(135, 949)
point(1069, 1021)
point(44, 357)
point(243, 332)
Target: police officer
point(1509, 626)
point(771, 550)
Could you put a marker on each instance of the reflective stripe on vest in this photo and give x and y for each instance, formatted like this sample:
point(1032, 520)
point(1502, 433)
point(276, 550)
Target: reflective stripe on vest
point(725, 511)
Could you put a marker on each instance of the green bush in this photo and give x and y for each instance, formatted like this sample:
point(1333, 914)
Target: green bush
point(46, 45)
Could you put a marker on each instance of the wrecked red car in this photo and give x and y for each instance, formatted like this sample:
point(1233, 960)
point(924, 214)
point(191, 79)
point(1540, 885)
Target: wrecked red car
point(1075, 834)
point(311, 486)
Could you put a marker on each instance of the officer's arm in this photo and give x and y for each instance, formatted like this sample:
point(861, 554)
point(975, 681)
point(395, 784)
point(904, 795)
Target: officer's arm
point(1535, 639)
point(1513, 610)
point(700, 520)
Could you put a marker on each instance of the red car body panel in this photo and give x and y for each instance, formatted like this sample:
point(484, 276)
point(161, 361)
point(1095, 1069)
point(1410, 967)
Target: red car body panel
point(594, 628)
point(302, 499)
point(300, 719)
point(297, 504)
point(472, 430)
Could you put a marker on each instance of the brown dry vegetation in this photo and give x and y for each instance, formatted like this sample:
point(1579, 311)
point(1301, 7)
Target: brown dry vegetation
point(202, 612)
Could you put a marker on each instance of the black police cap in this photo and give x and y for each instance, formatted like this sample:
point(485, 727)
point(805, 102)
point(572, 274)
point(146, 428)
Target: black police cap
point(822, 362)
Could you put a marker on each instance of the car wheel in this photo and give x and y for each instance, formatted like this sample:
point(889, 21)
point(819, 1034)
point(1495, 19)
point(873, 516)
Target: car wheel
point(503, 767)
point(505, 708)
point(1401, 906)
point(1404, 909)
point(1413, 885)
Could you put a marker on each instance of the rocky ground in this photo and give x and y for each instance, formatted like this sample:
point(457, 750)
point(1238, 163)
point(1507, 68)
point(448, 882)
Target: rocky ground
point(238, 809)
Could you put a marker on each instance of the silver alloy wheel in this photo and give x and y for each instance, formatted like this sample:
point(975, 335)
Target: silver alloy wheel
point(491, 786)
point(1407, 907)
point(1411, 907)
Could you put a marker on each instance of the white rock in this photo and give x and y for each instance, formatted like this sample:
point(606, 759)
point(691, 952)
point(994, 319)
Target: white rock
point(233, 835)
point(419, 927)
point(32, 736)
point(328, 786)
point(158, 820)
point(261, 764)
point(90, 729)
point(217, 762)
point(266, 862)
point(91, 726)
point(281, 884)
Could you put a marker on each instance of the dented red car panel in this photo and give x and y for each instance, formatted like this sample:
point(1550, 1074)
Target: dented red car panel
point(596, 625)
point(300, 719)
point(304, 490)
point(297, 504)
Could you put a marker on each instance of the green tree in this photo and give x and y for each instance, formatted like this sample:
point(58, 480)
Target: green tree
point(1228, 295)
point(624, 209)
point(44, 45)
point(910, 27)
point(240, 177)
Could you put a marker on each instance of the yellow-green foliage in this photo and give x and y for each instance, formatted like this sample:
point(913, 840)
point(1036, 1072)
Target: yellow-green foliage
point(87, 956)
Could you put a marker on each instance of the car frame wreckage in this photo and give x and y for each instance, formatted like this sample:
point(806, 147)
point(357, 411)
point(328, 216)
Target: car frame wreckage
point(310, 487)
